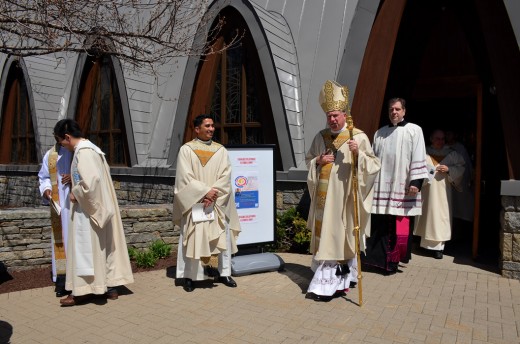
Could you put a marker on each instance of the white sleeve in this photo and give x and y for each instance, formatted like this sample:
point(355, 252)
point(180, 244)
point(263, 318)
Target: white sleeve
point(44, 176)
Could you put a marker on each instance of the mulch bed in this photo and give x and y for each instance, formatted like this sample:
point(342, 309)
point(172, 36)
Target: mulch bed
point(41, 277)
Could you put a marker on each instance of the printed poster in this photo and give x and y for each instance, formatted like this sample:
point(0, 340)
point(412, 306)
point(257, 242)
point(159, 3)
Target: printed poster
point(252, 179)
point(246, 190)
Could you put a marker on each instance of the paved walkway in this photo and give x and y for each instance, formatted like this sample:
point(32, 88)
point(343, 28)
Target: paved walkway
point(431, 301)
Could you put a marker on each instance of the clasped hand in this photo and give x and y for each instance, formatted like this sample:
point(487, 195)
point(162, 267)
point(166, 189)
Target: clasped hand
point(210, 197)
point(328, 157)
point(65, 178)
point(412, 191)
point(325, 158)
point(442, 168)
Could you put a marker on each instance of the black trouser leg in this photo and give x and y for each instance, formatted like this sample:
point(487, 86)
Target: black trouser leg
point(60, 283)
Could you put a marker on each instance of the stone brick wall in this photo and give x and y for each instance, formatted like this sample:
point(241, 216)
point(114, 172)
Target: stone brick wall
point(293, 194)
point(144, 190)
point(510, 237)
point(20, 190)
point(25, 232)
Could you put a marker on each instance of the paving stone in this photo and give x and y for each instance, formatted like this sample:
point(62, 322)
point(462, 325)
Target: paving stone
point(432, 301)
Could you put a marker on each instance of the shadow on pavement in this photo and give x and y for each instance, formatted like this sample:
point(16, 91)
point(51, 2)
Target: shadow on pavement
point(301, 275)
point(461, 252)
point(6, 331)
point(460, 249)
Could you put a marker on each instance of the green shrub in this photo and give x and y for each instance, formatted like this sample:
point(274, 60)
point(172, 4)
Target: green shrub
point(302, 235)
point(160, 249)
point(147, 258)
point(292, 234)
point(132, 252)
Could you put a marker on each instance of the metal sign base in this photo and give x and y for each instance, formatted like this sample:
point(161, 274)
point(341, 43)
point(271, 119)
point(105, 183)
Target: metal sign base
point(254, 263)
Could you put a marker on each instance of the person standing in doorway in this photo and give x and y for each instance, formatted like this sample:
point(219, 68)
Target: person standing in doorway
point(446, 168)
point(463, 203)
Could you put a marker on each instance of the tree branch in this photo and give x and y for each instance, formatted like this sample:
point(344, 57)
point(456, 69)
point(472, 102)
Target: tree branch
point(137, 31)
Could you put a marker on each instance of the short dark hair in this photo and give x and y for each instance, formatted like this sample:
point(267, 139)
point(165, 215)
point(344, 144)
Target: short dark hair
point(67, 126)
point(200, 118)
point(395, 100)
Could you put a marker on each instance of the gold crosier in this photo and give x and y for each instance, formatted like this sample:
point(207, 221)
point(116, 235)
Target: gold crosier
point(350, 127)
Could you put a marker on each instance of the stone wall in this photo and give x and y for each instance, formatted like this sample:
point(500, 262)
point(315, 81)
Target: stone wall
point(144, 189)
point(293, 194)
point(25, 232)
point(510, 237)
point(21, 190)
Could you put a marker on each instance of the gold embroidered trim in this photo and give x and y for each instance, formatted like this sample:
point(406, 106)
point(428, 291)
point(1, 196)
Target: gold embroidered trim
point(56, 233)
point(203, 151)
point(210, 261)
point(334, 97)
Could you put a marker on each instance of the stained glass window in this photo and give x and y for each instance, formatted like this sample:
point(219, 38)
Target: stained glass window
point(99, 111)
point(231, 87)
point(17, 132)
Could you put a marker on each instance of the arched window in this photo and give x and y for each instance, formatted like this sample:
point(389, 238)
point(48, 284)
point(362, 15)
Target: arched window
point(231, 87)
point(17, 131)
point(99, 112)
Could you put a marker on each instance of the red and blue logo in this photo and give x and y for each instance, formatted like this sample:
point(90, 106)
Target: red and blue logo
point(240, 181)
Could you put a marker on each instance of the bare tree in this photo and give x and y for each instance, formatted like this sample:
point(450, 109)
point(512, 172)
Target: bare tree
point(140, 32)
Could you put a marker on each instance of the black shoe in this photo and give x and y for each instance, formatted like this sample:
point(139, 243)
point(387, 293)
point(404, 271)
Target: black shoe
point(62, 293)
point(437, 254)
point(352, 284)
point(188, 285)
point(339, 293)
point(112, 294)
point(310, 296)
point(319, 298)
point(227, 280)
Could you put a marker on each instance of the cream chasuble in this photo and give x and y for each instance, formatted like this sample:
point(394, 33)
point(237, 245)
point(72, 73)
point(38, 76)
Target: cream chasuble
point(201, 167)
point(97, 255)
point(435, 222)
point(331, 216)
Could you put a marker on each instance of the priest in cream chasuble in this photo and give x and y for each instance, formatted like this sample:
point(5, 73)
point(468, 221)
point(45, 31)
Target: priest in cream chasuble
point(203, 177)
point(97, 254)
point(446, 168)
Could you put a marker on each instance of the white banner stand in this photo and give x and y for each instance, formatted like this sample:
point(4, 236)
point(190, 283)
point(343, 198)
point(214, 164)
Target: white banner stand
point(252, 178)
